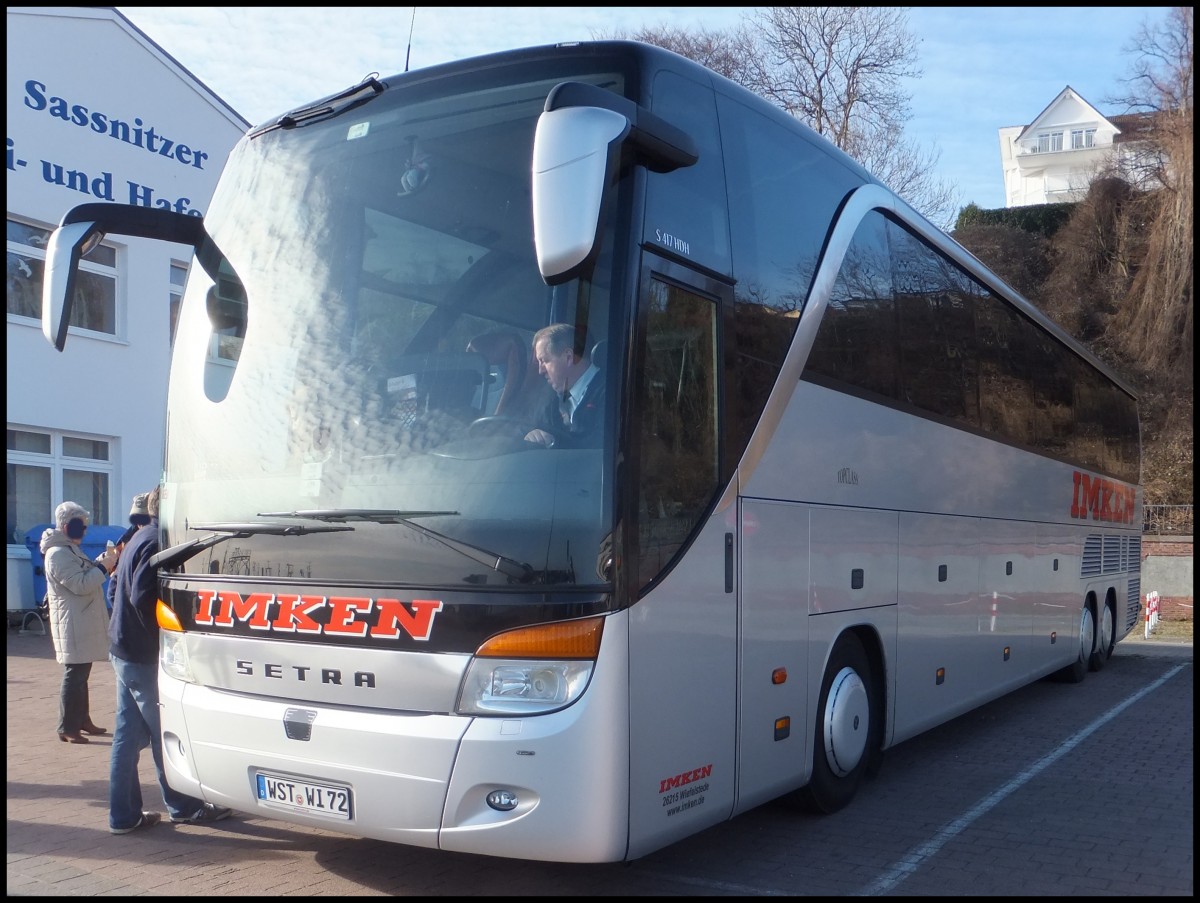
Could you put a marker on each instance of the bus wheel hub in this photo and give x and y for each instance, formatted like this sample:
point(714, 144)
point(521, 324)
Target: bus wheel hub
point(847, 715)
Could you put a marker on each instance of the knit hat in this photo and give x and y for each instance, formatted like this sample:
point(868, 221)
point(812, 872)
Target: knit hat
point(139, 514)
point(140, 505)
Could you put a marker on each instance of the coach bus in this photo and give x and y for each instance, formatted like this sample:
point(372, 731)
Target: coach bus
point(846, 484)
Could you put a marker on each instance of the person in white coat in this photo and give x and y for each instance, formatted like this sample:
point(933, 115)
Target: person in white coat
point(78, 615)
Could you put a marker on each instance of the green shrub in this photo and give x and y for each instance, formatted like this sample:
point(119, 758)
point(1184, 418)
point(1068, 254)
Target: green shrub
point(1037, 219)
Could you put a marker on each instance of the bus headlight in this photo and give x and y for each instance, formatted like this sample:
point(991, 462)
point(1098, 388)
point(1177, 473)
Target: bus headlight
point(173, 657)
point(506, 687)
point(531, 670)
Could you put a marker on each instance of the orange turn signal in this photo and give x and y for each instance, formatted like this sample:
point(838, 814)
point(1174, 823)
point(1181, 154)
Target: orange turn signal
point(166, 617)
point(568, 639)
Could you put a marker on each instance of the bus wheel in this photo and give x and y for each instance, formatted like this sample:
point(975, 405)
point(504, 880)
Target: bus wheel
point(1077, 671)
point(1106, 638)
point(848, 729)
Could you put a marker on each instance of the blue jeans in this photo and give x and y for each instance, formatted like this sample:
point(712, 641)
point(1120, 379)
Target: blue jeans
point(137, 727)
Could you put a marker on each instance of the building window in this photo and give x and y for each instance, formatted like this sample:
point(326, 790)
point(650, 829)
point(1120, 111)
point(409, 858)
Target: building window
point(1049, 141)
point(47, 467)
point(1081, 138)
point(95, 306)
point(178, 278)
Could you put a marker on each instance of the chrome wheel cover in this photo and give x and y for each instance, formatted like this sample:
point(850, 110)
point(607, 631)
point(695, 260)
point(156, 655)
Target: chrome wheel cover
point(847, 722)
point(1087, 634)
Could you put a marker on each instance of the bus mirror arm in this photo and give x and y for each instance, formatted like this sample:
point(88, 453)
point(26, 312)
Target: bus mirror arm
point(583, 135)
point(656, 143)
point(85, 226)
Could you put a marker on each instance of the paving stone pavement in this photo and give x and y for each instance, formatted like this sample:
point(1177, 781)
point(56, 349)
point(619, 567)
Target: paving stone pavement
point(58, 837)
point(58, 842)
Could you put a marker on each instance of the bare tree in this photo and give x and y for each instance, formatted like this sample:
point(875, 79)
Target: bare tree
point(837, 69)
point(1155, 324)
point(840, 70)
point(723, 52)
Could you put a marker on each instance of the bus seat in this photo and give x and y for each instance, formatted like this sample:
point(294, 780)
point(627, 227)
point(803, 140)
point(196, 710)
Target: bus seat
point(506, 352)
point(600, 354)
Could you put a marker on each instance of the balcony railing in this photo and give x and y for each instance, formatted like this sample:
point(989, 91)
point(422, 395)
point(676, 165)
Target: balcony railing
point(1167, 520)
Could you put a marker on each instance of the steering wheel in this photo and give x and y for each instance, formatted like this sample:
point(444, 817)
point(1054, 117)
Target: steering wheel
point(499, 425)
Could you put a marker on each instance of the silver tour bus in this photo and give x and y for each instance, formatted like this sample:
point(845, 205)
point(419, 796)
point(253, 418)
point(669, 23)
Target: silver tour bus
point(832, 482)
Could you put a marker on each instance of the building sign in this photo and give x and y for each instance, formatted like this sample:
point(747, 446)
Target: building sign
point(84, 124)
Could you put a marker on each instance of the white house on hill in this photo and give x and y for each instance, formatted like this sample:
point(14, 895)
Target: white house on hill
point(1055, 157)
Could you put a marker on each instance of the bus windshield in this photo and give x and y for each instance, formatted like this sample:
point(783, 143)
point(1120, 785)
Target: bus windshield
point(366, 356)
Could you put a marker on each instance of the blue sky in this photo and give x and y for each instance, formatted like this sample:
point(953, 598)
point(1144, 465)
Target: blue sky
point(983, 68)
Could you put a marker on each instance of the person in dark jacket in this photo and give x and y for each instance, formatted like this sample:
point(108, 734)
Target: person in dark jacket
point(139, 516)
point(78, 617)
point(574, 417)
point(133, 651)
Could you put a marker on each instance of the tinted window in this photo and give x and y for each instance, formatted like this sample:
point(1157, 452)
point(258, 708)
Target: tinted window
point(856, 342)
point(907, 325)
point(938, 361)
point(784, 191)
point(676, 403)
point(685, 208)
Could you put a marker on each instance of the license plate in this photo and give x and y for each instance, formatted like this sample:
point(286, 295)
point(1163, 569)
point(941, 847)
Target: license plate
point(332, 800)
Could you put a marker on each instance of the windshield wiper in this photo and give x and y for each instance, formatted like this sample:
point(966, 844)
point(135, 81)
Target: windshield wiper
point(510, 567)
point(372, 515)
point(178, 554)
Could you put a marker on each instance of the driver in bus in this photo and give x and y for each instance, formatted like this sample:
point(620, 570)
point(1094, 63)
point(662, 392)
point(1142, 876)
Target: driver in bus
point(574, 416)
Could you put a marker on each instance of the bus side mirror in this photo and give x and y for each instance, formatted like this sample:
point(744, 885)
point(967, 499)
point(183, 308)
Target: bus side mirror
point(68, 244)
point(577, 153)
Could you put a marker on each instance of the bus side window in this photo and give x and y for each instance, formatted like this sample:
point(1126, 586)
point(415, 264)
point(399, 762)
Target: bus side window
point(676, 401)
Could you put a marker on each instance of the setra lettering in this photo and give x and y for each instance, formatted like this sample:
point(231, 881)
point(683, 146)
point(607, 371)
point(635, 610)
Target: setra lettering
point(273, 671)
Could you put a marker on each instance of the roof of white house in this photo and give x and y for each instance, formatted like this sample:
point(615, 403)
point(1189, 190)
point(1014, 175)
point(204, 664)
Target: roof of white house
point(1083, 111)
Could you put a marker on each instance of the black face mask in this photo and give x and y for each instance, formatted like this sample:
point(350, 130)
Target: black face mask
point(76, 528)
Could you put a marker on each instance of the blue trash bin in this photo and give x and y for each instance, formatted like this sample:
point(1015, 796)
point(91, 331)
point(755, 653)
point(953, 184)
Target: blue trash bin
point(33, 539)
point(94, 542)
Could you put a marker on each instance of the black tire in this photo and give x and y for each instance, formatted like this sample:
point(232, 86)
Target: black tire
point(849, 728)
point(1077, 670)
point(1106, 638)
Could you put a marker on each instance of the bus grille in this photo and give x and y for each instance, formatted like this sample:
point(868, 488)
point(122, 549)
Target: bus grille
point(1091, 557)
point(1133, 604)
point(1112, 554)
point(1133, 554)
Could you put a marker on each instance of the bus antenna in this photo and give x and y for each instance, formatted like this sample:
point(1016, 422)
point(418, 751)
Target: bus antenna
point(408, 53)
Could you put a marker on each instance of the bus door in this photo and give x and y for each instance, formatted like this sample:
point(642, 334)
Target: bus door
point(683, 624)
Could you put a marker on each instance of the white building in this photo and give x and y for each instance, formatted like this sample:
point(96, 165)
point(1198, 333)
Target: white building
point(96, 112)
point(1055, 157)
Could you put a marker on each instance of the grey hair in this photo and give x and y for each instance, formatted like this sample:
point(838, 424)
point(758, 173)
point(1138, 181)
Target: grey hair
point(560, 337)
point(68, 510)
